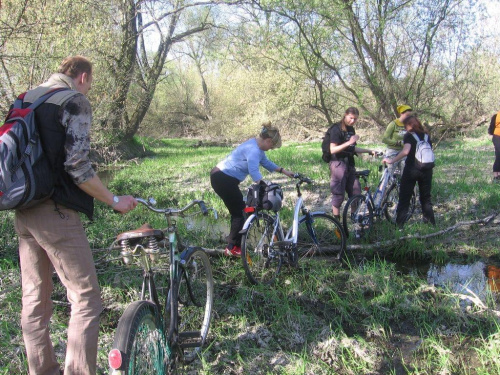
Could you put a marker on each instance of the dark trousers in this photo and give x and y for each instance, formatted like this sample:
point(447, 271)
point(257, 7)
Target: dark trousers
point(228, 189)
point(496, 143)
point(410, 177)
point(343, 180)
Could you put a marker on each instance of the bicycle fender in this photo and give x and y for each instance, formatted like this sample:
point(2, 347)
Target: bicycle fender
point(247, 223)
point(315, 213)
point(186, 253)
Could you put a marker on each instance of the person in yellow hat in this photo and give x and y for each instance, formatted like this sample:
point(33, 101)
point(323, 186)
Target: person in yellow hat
point(393, 137)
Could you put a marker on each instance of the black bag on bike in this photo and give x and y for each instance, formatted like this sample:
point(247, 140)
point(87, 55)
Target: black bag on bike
point(265, 195)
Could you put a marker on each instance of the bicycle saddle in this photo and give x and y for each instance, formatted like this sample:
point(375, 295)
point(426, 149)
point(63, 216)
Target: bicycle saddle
point(144, 231)
point(365, 173)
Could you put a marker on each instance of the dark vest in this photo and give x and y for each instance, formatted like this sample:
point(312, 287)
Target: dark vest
point(53, 137)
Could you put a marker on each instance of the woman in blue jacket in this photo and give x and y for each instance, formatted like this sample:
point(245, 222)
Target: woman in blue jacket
point(244, 160)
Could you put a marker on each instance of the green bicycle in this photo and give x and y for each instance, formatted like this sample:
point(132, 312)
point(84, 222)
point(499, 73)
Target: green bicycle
point(152, 338)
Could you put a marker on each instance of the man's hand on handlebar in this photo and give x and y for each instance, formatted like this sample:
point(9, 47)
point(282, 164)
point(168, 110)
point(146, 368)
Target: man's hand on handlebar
point(125, 204)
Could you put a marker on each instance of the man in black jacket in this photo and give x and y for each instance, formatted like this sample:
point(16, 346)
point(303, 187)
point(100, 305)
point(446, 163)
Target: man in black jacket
point(51, 235)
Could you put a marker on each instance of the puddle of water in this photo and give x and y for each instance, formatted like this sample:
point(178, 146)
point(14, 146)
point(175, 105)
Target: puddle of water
point(213, 229)
point(474, 279)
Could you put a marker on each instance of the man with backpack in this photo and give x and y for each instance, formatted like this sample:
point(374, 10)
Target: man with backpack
point(341, 140)
point(51, 235)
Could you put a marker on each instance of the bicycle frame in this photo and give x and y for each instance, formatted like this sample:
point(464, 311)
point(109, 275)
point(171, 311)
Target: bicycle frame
point(386, 181)
point(291, 237)
point(148, 252)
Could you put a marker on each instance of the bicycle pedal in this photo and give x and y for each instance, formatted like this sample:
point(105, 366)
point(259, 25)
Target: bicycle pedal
point(189, 335)
point(194, 344)
point(283, 244)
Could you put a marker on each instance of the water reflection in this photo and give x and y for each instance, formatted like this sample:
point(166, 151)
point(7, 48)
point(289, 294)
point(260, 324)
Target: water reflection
point(476, 279)
point(493, 273)
point(212, 229)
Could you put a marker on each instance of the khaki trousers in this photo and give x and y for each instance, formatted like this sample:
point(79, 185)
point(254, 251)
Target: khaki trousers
point(53, 238)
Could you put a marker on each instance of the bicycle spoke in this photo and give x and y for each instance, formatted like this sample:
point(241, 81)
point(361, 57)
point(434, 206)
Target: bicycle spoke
point(260, 260)
point(140, 337)
point(195, 299)
point(320, 233)
point(358, 217)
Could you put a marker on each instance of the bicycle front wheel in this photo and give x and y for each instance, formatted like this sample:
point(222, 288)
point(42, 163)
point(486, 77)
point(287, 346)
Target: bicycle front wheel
point(261, 262)
point(391, 204)
point(194, 294)
point(320, 233)
point(357, 217)
point(141, 340)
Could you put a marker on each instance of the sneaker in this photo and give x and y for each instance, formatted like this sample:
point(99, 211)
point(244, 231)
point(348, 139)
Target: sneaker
point(234, 251)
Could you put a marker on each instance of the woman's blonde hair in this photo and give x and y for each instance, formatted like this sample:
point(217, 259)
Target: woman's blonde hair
point(269, 131)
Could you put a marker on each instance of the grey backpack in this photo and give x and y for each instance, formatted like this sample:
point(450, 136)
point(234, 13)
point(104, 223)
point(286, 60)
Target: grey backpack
point(424, 156)
point(26, 177)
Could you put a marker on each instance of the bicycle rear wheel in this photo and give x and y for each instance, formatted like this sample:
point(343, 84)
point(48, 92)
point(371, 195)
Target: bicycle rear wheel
point(141, 340)
point(194, 293)
point(261, 262)
point(320, 233)
point(391, 204)
point(357, 217)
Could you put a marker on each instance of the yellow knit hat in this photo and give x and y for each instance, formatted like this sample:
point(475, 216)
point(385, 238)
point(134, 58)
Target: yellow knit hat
point(403, 108)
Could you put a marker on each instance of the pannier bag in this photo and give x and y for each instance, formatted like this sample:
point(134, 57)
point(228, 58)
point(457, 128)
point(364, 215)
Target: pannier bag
point(26, 178)
point(265, 195)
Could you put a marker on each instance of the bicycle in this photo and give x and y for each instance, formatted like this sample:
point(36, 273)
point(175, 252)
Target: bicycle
point(265, 247)
point(151, 338)
point(360, 210)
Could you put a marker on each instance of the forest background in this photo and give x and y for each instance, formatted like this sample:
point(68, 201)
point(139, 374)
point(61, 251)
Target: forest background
point(215, 70)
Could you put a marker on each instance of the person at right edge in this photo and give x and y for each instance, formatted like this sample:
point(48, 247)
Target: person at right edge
point(393, 137)
point(51, 235)
point(494, 130)
point(411, 175)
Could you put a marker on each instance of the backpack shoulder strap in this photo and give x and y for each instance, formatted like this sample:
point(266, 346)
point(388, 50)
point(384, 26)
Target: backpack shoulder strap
point(46, 96)
point(415, 136)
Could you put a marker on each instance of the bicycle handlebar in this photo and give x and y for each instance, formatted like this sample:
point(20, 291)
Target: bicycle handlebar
point(151, 202)
point(302, 178)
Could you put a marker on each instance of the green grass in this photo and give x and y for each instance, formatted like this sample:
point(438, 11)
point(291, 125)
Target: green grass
point(323, 318)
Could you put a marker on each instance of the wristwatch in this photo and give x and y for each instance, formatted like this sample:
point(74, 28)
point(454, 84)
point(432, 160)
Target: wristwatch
point(115, 201)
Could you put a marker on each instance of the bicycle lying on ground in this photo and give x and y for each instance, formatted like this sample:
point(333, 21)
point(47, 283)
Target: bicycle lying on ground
point(360, 210)
point(152, 338)
point(265, 247)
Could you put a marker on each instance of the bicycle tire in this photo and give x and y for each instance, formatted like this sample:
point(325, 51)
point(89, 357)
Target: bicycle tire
point(358, 217)
point(391, 204)
point(261, 263)
point(321, 234)
point(141, 340)
point(193, 291)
